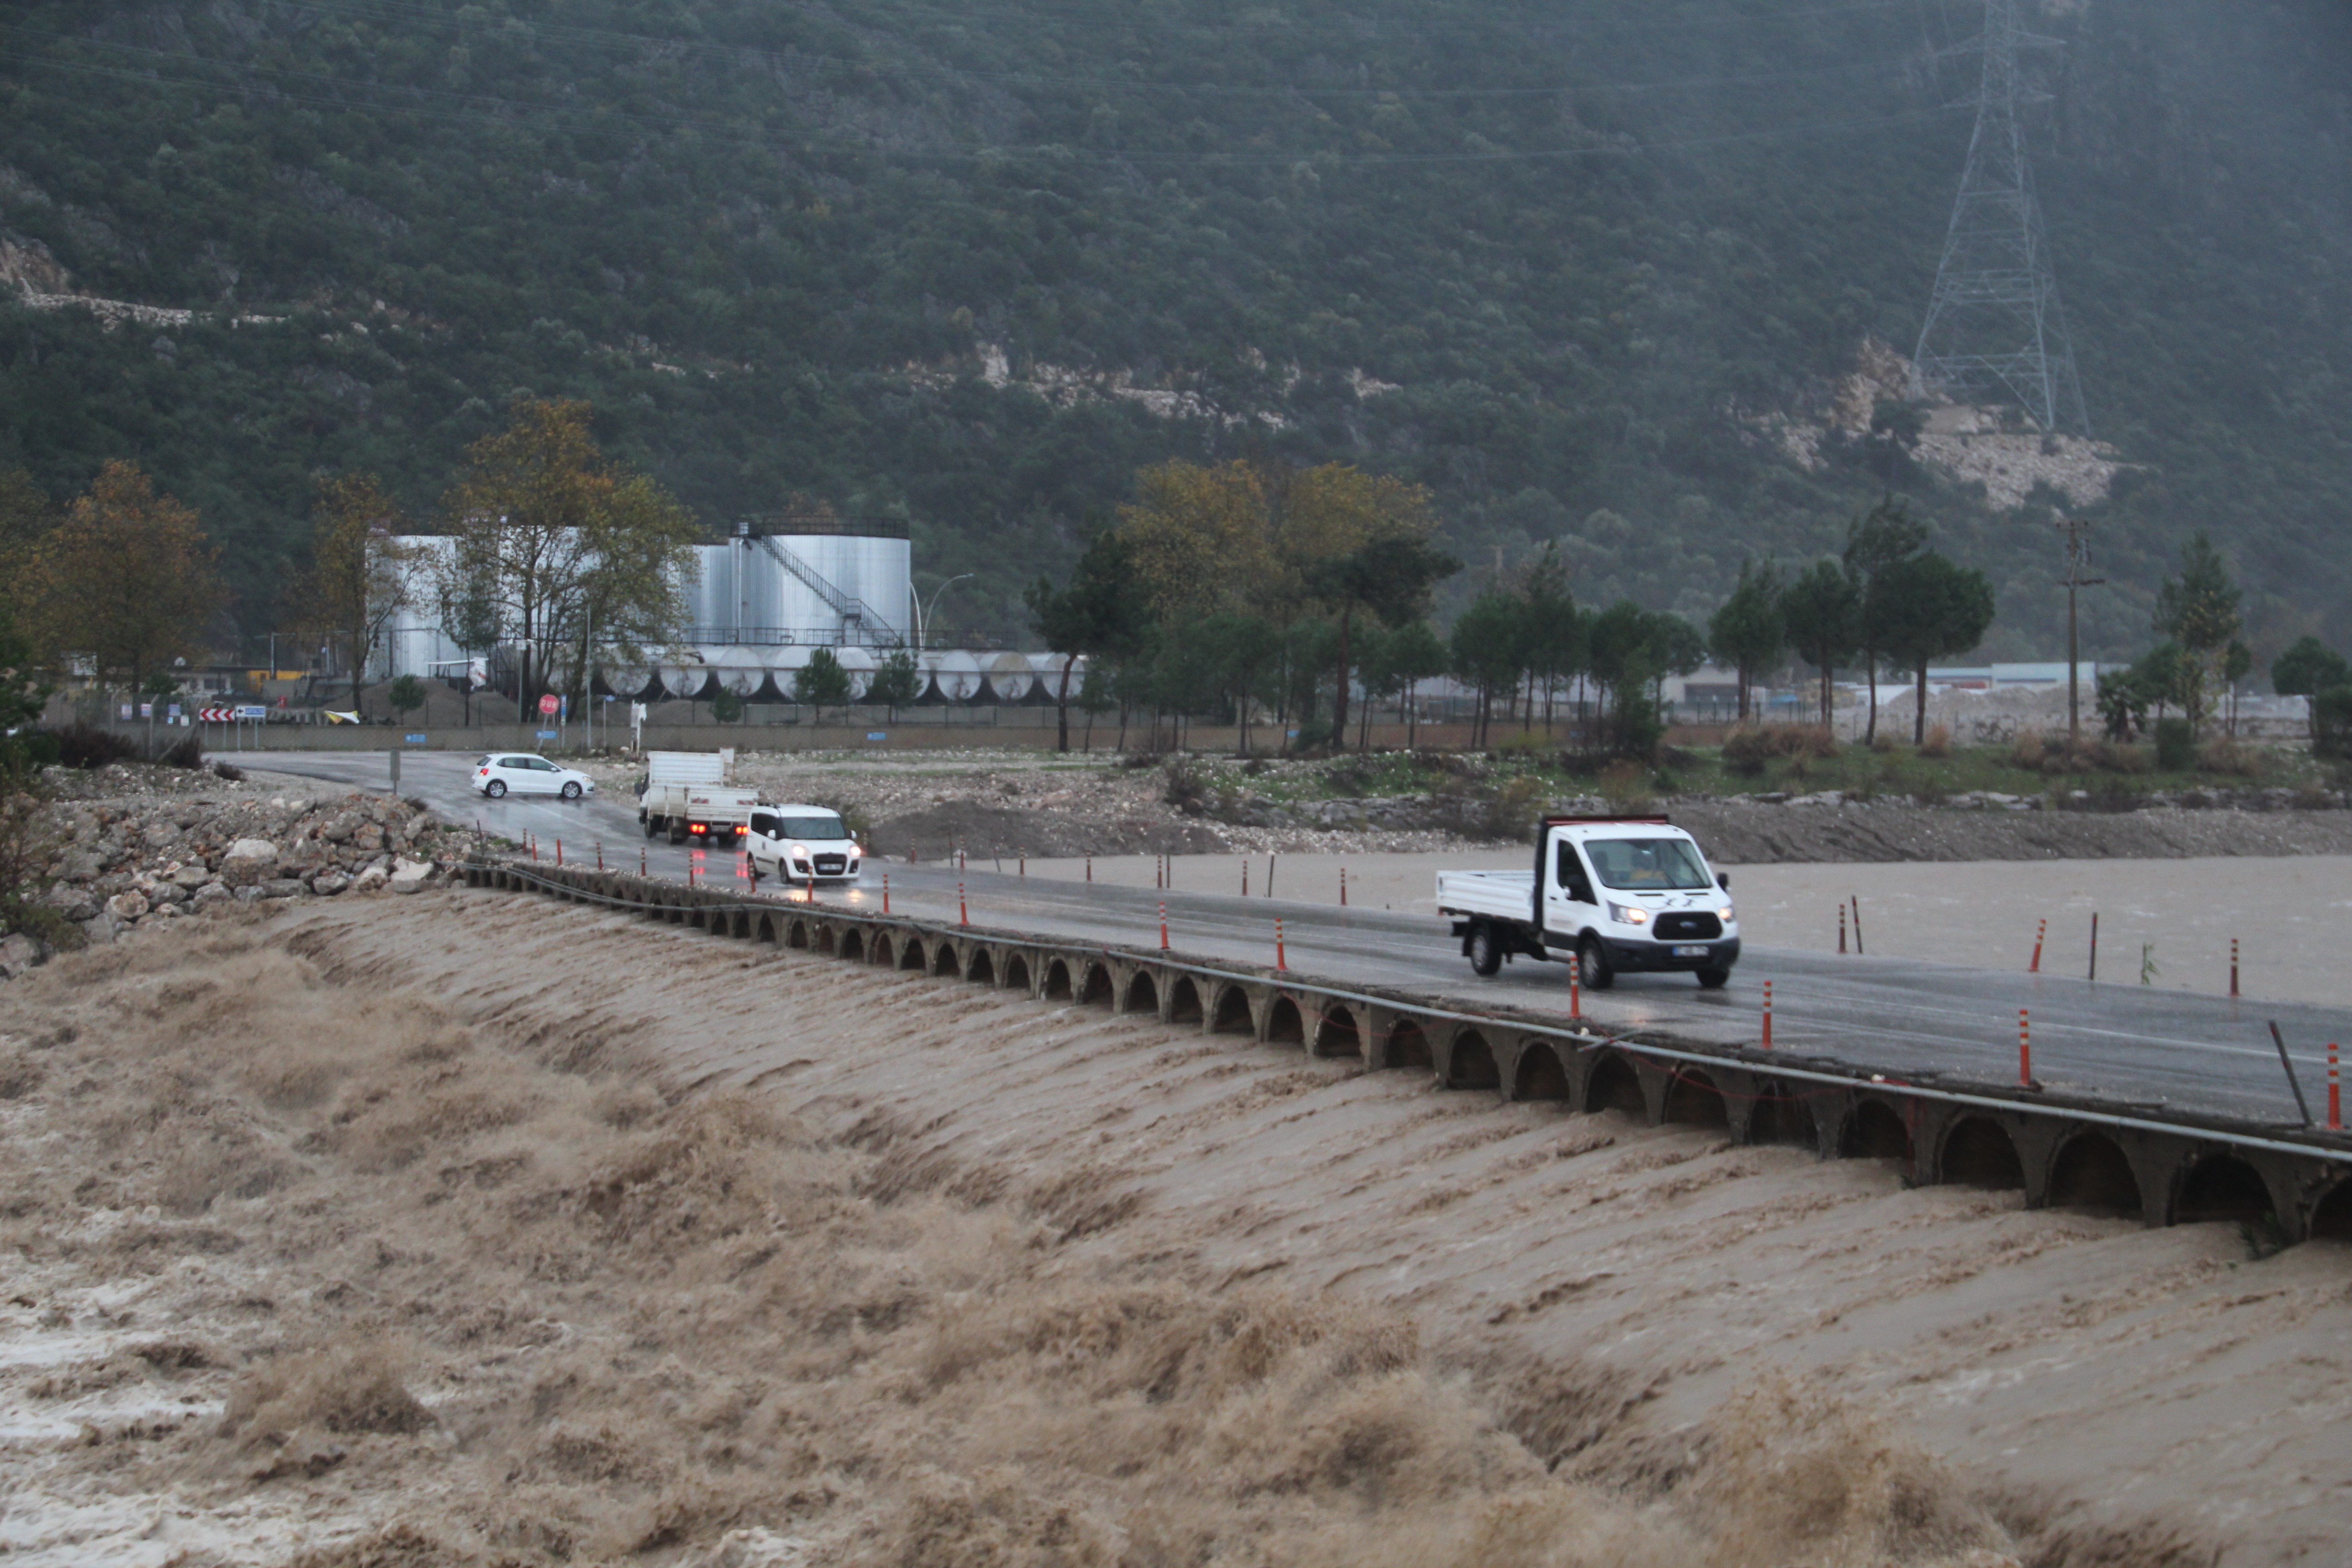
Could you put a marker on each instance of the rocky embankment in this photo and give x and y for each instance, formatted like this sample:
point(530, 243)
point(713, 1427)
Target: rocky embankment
point(121, 863)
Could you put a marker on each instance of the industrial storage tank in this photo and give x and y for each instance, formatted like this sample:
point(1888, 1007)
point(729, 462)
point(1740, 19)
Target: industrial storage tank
point(784, 664)
point(685, 682)
point(1009, 676)
point(954, 675)
point(860, 664)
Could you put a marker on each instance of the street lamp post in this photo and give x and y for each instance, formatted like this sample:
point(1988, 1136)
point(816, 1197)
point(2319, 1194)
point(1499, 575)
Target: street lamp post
point(921, 638)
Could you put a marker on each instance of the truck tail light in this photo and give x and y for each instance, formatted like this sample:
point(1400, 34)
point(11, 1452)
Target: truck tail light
point(697, 827)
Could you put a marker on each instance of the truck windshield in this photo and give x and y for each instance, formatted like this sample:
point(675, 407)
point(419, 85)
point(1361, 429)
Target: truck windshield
point(817, 824)
point(1648, 865)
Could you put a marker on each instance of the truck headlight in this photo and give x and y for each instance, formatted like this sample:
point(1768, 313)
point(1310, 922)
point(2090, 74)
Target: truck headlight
point(1724, 914)
point(1629, 914)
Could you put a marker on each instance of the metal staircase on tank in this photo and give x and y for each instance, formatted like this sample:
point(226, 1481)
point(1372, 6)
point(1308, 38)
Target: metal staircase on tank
point(853, 611)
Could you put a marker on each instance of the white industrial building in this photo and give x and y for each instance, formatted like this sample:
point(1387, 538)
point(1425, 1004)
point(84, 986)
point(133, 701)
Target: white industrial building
point(757, 607)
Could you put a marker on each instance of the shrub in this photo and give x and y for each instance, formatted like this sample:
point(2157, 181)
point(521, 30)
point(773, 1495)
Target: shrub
point(2029, 751)
point(1186, 789)
point(189, 752)
point(2175, 744)
point(86, 746)
point(1621, 785)
point(1745, 750)
point(2331, 722)
point(1938, 742)
point(2229, 757)
point(228, 770)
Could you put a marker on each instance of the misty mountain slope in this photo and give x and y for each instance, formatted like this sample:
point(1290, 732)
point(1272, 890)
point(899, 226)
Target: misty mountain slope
point(974, 263)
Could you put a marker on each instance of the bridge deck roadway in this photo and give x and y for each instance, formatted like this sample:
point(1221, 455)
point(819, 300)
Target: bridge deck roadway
point(2128, 1045)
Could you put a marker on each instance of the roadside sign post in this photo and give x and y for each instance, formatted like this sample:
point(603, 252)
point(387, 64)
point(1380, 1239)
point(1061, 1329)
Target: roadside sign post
point(395, 770)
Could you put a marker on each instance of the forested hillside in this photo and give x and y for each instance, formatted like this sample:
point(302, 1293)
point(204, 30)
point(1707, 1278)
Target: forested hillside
point(972, 263)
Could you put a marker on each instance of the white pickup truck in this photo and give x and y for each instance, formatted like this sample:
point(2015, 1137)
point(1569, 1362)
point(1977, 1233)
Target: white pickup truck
point(1615, 894)
point(686, 794)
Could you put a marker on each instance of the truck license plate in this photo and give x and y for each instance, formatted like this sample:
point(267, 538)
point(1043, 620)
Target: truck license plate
point(1690, 951)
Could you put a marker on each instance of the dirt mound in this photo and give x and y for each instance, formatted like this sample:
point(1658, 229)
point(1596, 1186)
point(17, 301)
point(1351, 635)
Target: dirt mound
point(1741, 833)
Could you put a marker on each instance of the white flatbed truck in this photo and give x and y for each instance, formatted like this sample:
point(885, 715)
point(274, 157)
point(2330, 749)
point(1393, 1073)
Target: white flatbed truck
point(1610, 894)
point(685, 794)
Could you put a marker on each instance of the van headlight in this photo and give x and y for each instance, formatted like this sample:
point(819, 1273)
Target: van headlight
point(1724, 914)
point(1629, 914)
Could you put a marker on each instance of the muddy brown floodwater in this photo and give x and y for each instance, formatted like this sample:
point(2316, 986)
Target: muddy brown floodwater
point(470, 1228)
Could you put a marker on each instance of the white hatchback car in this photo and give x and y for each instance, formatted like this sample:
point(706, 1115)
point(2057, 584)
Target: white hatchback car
point(520, 772)
point(803, 843)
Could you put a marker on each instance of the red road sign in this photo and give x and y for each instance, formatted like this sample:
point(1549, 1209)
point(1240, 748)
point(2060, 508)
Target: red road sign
point(548, 704)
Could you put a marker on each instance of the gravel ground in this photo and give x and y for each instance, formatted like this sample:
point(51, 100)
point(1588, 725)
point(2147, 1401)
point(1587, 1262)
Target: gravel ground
point(1010, 803)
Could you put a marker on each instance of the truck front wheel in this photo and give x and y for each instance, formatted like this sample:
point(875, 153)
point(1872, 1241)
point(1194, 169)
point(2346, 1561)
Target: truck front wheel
point(1713, 979)
point(1485, 952)
point(1592, 965)
point(652, 825)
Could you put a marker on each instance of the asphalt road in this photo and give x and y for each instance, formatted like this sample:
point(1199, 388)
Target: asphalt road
point(2159, 1049)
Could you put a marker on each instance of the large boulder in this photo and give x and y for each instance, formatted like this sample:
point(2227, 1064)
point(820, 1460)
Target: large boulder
point(408, 876)
point(327, 884)
point(212, 895)
point(18, 952)
point(249, 863)
point(284, 887)
point(369, 880)
point(191, 877)
point(99, 928)
point(127, 907)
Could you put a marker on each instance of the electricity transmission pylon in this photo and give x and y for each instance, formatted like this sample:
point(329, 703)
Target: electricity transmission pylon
point(1994, 324)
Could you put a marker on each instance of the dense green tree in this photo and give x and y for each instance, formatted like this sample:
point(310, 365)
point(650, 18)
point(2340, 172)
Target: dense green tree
point(820, 683)
point(1098, 615)
point(1487, 651)
point(2307, 669)
point(898, 681)
point(1823, 614)
point(1932, 609)
point(1390, 576)
point(2198, 608)
point(1749, 633)
point(1409, 656)
point(1877, 544)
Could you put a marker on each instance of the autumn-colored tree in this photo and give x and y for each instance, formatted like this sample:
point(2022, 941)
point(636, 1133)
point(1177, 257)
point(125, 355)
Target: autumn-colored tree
point(1281, 543)
point(127, 581)
point(361, 573)
point(563, 547)
point(27, 515)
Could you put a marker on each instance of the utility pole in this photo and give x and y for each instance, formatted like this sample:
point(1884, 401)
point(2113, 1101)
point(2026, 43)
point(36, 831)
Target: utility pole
point(1994, 325)
point(2077, 531)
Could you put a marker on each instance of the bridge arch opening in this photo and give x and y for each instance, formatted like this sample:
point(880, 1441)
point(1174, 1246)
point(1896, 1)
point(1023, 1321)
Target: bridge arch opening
point(910, 955)
point(1409, 1045)
point(1780, 1116)
point(1057, 981)
point(766, 929)
point(1142, 994)
point(1979, 1153)
point(2092, 1173)
point(943, 961)
point(1336, 1033)
point(983, 968)
point(2223, 1187)
point(1471, 1063)
point(1094, 987)
point(883, 955)
point(825, 941)
point(1875, 1132)
point(1184, 1001)
point(1017, 973)
point(742, 925)
point(1541, 1075)
point(1614, 1085)
point(2331, 1220)
point(796, 935)
point(1283, 1026)
point(1233, 1015)
point(1693, 1100)
point(853, 945)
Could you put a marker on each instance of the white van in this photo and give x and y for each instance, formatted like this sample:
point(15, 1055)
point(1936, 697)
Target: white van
point(803, 843)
